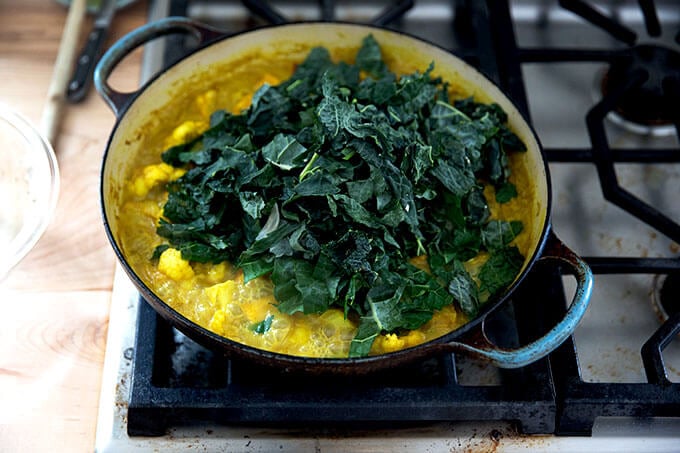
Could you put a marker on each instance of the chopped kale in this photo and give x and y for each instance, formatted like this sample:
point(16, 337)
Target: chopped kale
point(331, 181)
point(263, 326)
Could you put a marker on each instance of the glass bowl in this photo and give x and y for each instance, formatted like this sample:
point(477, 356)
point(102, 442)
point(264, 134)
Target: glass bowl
point(29, 186)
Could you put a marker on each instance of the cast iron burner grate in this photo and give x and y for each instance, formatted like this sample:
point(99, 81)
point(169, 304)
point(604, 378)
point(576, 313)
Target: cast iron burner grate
point(579, 402)
point(176, 382)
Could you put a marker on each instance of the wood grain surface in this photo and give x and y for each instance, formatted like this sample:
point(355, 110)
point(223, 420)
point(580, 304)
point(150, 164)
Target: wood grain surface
point(55, 303)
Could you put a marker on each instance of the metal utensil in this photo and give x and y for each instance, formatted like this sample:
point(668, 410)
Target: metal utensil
point(82, 77)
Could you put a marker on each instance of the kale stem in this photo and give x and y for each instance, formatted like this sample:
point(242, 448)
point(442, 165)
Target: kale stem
point(421, 248)
point(454, 110)
point(308, 168)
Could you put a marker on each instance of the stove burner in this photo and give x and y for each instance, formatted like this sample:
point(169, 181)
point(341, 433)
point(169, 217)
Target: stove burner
point(653, 102)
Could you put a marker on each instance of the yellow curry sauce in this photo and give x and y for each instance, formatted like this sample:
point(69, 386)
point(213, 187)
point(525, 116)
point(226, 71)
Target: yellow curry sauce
point(214, 296)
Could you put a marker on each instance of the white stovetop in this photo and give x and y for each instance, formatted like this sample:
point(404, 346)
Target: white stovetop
point(618, 321)
point(616, 435)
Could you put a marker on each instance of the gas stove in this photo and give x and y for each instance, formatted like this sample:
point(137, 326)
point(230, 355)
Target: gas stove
point(600, 83)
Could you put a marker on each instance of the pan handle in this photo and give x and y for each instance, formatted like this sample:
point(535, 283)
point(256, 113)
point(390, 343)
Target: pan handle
point(119, 101)
point(478, 344)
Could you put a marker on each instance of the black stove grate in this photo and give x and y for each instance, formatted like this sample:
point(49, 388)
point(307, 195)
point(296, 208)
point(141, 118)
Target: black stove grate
point(579, 402)
point(177, 382)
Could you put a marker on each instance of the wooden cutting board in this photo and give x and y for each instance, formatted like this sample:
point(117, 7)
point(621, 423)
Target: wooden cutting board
point(55, 303)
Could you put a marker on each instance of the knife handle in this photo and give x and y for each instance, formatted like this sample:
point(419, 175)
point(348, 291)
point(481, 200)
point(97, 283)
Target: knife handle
point(82, 76)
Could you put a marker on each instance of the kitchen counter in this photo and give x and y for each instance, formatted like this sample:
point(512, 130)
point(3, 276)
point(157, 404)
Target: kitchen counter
point(55, 303)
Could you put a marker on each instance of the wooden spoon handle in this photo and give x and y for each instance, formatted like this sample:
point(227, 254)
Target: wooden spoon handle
point(56, 94)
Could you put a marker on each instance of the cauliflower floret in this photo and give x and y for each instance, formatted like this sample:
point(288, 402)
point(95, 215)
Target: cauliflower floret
point(256, 309)
point(413, 338)
point(335, 325)
point(222, 294)
point(217, 272)
point(211, 273)
point(216, 324)
point(207, 102)
point(171, 264)
point(391, 342)
point(245, 101)
point(300, 334)
point(153, 175)
point(144, 209)
point(186, 131)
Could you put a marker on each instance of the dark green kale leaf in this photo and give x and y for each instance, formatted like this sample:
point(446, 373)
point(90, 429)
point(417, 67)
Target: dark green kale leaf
point(335, 114)
point(369, 58)
point(500, 270)
point(506, 192)
point(457, 180)
point(464, 291)
point(496, 234)
point(331, 181)
point(367, 332)
point(304, 286)
point(269, 113)
point(285, 152)
point(263, 326)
